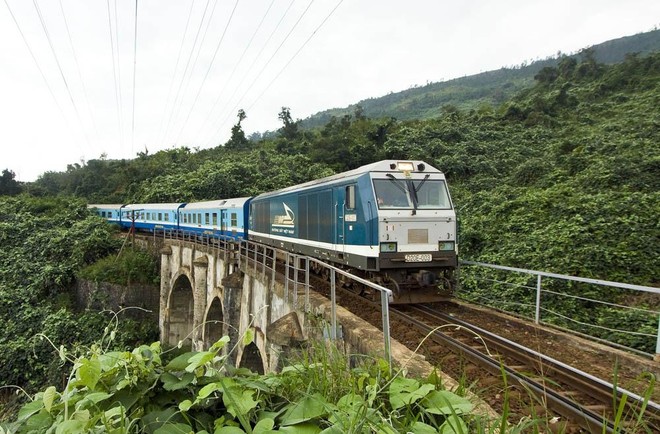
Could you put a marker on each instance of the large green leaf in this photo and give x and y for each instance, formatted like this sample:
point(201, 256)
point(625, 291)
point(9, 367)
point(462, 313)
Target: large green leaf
point(175, 428)
point(446, 403)
point(308, 408)
point(301, 428)
point(405, 391)
point(89, 372)
point(172, 382)
point(422, 428)
point(453, 425)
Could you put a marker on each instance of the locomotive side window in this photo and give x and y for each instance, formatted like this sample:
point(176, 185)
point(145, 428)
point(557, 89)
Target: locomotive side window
point(234, 219)
point(350, 197)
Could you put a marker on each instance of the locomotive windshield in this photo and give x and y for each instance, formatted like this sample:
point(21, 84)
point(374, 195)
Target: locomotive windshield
point(408, 194)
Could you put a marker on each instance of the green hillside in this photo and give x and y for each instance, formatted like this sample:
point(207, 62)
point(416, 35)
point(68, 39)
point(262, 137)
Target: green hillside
point(479, 90)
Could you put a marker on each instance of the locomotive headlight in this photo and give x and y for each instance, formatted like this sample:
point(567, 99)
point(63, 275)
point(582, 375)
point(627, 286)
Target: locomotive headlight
point(388, 247)
point(445, 246)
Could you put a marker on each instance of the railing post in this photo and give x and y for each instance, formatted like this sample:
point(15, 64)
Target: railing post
point(333, 305)
point(255, 259)
point(296, 265)
point(272, 277)
point(307, 308)
point(286, 279)
point(385, 310)
point(537, 317)
point(263, 261)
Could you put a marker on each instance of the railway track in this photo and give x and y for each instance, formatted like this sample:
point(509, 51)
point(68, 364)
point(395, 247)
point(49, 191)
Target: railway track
point(580, 398)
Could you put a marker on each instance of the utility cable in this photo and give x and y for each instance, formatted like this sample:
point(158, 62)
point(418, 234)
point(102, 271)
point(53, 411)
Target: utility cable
point(59, 67)
point(36, 62)
point(114, 72)
point(134, 70)
point(208, 70)
point(82, 81)
point(296, 54)
point(176, 67)
point(188, 81)
point(231, 76)
point(121, 99)
point(264, 68)
point(185, 71)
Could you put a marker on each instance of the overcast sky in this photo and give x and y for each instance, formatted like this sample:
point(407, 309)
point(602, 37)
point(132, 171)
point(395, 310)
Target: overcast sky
point(197, 62)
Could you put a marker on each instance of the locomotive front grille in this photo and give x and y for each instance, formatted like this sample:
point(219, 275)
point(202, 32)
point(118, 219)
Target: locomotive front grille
point(418, 236)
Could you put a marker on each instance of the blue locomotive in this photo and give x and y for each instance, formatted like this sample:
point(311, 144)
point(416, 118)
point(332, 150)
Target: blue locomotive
point(392, 222)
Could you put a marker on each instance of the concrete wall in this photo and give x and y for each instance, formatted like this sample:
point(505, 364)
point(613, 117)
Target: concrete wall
point(109, 296)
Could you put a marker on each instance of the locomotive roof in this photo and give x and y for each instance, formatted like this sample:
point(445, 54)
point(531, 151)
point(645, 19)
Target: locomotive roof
point(383, 166)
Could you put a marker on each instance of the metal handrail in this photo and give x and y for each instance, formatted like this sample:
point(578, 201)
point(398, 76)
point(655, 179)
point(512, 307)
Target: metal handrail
point(540, 274)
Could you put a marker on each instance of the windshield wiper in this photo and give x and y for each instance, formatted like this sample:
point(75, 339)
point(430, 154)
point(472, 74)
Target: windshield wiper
point(394, 180)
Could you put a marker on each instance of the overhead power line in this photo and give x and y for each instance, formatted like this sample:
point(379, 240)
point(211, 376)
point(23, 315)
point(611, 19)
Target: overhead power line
point(240, 60)
point(208, 70)
point(229, 114)
point(176, 67)
point(114, 73)
point(59, 67)
point(41, 72)
point(185, 71)
point(134, 70)
point(82, 81)
point(296, 54)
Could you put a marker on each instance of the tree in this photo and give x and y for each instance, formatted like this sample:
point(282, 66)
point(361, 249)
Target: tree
point(238, 139)
point(289, 130)
point(8, 184)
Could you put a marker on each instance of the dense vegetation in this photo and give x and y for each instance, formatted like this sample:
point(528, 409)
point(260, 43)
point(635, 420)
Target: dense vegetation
point(147, 390)
point(44, 241)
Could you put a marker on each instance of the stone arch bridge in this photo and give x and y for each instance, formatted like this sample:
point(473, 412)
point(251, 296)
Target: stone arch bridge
point(209, 291)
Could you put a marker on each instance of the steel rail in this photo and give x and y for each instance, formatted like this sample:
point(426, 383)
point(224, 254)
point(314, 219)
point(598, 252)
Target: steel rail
point(595, 387)
point(559, 403)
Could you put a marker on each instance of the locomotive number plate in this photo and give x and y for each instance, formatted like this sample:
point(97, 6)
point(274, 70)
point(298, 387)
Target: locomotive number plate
point(418, 258)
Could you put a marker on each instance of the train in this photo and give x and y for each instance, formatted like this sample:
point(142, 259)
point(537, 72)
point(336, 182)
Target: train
point(392, 222)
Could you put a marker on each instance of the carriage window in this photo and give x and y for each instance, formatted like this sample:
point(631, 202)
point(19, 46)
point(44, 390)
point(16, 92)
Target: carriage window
point(207, 219)
point(102, 213)
point(199, 218)
point(167, 217)
point(160, 216)
point(234, 219)
point(215, 219)
point(350, 197)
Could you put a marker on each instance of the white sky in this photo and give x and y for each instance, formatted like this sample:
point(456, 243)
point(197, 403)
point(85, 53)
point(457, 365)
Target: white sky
point(365, 49)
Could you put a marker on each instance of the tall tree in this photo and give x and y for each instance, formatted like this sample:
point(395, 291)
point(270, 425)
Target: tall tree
point(8, 184)
point(238, 139)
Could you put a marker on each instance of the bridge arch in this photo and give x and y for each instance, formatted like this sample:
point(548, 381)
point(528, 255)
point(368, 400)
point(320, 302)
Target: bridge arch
point(213, 322)
point(181, 306)
point(252, 357)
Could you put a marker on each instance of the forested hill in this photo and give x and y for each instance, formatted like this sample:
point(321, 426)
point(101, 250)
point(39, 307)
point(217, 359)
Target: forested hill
point(487, 88)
